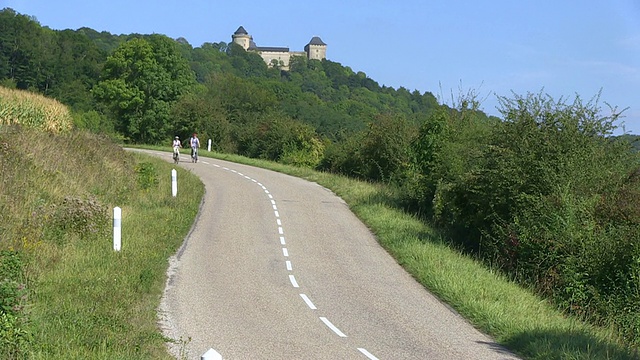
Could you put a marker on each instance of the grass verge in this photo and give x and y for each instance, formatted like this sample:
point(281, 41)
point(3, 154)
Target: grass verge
point(85, 300)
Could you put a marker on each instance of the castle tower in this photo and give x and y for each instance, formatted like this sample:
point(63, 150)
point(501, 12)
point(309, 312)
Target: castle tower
point(316, 49)
point(242, 38)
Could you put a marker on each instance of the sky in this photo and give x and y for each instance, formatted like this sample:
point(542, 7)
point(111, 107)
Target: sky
point(497, 48)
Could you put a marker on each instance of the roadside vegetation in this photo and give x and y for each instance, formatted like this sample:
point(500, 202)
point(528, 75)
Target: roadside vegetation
point(64, 292)
point(543, 199)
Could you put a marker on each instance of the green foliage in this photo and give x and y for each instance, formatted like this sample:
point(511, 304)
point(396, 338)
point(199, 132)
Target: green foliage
point(146, 175)
point(535, 196)
point(383, 152)
point(140, 82)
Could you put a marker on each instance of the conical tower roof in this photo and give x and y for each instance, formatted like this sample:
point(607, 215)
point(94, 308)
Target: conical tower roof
point(316, 41)
point(241, 31)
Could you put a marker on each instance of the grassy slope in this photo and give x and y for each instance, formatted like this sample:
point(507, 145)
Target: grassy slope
point(87, 301)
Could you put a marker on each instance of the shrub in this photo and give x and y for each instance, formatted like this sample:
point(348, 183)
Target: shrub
point(146, 175)
point(81, 216)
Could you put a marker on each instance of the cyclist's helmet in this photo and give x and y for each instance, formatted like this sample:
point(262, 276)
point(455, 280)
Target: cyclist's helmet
point(177, 137)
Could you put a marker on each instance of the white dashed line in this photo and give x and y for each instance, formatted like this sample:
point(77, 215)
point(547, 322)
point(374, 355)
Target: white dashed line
point(289, 267)
point(367, 354)
point(309, 303)
point(332, 327)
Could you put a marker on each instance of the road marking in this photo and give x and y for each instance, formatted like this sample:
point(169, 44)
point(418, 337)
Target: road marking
point(332, 327)
point(292, 278)
point(367, 354)
point(309, 303)
point(204, 162)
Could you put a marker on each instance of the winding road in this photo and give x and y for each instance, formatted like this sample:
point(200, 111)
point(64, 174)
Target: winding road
point(277, 267)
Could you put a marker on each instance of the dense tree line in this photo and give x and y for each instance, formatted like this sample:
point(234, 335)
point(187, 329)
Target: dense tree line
point(546, 193)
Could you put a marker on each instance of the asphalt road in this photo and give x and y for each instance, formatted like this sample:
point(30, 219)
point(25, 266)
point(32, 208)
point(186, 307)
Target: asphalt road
point(279, 268)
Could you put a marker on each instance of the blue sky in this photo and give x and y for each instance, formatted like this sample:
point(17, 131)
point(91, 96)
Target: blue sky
point(562, 48)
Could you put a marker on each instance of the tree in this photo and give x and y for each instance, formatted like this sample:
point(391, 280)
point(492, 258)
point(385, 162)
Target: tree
point(140, 82)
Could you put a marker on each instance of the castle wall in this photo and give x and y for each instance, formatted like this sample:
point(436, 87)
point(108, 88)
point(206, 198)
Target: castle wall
point(282, 58)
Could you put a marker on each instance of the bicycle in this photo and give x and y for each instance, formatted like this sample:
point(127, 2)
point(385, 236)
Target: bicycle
point(176, 154)
point(194, 154)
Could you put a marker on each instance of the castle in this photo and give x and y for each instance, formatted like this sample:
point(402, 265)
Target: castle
point(280, 56)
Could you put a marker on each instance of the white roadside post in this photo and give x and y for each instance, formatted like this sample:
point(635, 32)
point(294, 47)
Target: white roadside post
point(117, 228)
point(174, 182)
point(211, 355)
point(209, 146)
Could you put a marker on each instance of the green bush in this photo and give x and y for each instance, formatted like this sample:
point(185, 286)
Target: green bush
point(547, 195)
point(146, 175)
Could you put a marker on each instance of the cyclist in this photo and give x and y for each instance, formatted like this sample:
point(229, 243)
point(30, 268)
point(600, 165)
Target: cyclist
point(194, 142)
point(176, 146)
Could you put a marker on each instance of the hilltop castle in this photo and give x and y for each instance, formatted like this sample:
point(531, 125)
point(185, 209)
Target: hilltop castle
point(280, 56)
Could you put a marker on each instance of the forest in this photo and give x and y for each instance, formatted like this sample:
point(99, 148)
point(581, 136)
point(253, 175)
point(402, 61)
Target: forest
point(545, 193)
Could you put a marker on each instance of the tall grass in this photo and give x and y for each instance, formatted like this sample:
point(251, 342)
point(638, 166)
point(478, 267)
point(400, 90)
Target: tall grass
point(32, 110)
